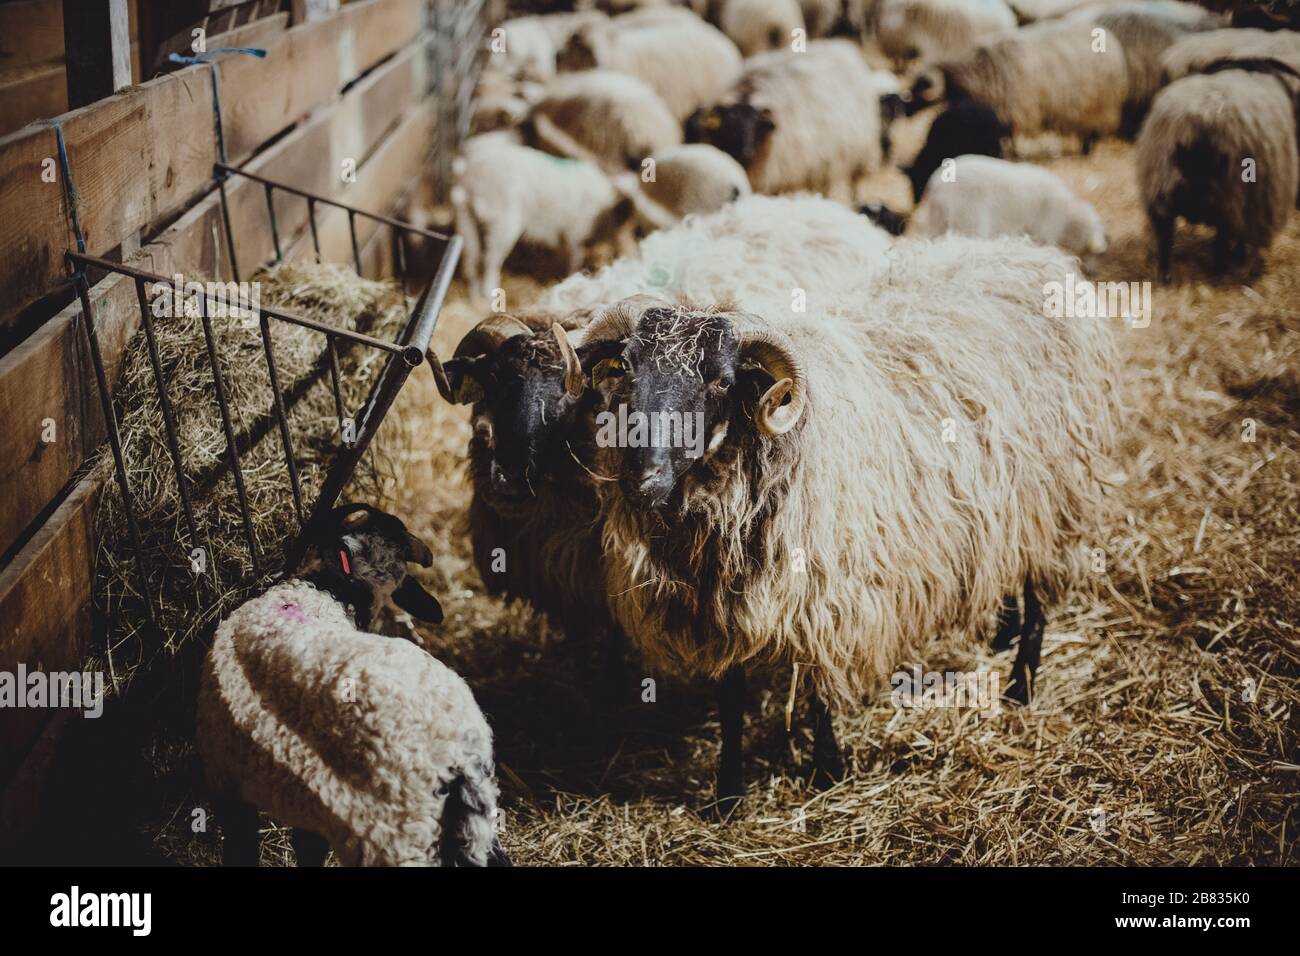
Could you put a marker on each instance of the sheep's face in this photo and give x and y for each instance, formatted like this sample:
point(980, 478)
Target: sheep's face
point(527, 392)
point(370, 549)
point(741, 130)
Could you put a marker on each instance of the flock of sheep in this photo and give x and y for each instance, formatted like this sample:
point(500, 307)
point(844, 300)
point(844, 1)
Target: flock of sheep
point(774, 429)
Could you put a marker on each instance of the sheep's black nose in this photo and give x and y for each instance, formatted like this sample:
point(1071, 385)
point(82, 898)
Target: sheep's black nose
point(651, 488)
point(504, 483)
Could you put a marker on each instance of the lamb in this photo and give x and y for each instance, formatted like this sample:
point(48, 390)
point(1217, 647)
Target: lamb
point(505, 193)
point(682, 58)
point(363, 743)
point(1051, 75)
point(936, 29)
point(800, 120)
point(989, 197)
point(611, 118)
point(757, 26)
point(829, 522)
point(964, 128)
point(695, 178)
point(1220, 149)
point(523, 49)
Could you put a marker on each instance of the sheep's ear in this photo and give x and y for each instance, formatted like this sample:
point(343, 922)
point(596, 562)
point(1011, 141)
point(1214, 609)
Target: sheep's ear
point(354, 520)
point(412, 598)
point(457, 383)
point(766, 120)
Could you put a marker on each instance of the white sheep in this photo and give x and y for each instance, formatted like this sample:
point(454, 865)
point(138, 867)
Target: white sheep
point(505, 193)
point(693, 178)
point(877, 472)
point(987, 197)
point(610, 118)
point(1194, 54)
point(935, 29)
point(756, 26)
point(522, 48)
point(363, 743)
point(682, 58)
point(799, 121)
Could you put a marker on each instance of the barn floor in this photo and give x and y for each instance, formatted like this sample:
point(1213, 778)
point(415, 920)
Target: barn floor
point(1144, 707)
point(1167, 717)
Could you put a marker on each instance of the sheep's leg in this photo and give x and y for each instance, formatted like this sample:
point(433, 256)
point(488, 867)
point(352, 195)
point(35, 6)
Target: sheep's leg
point(1088, 142)
point(731, 708)
point(239, 843)
point(1163, 225)
point(310, 848)
point(498, 242)
point(828, 765)
point(1029, 649)
point(1008, 623)
point(615, 671)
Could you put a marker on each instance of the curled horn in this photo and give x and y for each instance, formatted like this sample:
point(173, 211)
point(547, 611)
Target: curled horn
point(488, 335)
point(574, 382)
point(773, 352)
point(617, 321)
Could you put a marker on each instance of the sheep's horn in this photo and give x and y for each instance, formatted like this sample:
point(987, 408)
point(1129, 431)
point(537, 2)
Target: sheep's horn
point(619, 320)
point(573, 378)
point(488, 335)
point(439, 376)
point(774, 352)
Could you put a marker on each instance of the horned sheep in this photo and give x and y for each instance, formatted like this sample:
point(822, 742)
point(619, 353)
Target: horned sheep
point(829, 522)
point(363, 743)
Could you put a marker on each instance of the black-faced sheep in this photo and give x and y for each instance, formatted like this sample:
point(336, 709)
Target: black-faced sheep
point(1061, 75)
point(965, 128)
point(682, 58)
point(505, 193)
point(800, 120)
point(1220, 149)
point(363, 743)
point(989, 197)
point(830, 522)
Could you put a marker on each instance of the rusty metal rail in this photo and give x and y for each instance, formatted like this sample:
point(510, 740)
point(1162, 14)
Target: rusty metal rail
point(406, 353)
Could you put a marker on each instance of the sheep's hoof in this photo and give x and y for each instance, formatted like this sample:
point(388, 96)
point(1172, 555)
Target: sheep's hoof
point(725, 808)
point(1017, 693)
point(826, 773)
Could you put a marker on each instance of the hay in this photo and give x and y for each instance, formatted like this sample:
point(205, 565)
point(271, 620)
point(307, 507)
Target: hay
point(329, 294)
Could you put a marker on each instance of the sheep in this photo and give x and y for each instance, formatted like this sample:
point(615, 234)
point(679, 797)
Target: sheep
point(934, 29)
point(1031, 11)
point(989, 197)
point(757, 26)
point(1195, 54)
point(694, 178)
point(829, 522)
point(1220, 149)
point(363, 743)
point(964, 128)
point(800, 120)
point(682, 58)
point(1145, 31)
point(1053, 75)
point(505, 193)
point(821, 17)
point(533, 493)
point(612, 118)
point(887, 219)
point(523, 49)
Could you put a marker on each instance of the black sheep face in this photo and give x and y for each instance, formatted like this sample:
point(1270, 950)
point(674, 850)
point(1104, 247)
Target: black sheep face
point(677, 381)
point(741, 130)
point(370, 549)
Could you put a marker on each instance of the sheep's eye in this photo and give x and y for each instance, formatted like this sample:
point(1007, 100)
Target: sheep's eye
point(606, 368)
point(721, 384)
point(468, 391)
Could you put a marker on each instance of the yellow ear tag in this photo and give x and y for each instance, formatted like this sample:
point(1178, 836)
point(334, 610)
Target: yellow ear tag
point(468, 391)
point(603, 369)
point(711, 121)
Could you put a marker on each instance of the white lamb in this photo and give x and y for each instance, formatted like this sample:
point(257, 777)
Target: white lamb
point(986, 197)
point(363, 743)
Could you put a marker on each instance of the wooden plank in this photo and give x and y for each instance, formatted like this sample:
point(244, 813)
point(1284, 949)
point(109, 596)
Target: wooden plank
point(148, 151)
point(31, 95)
point(47, 378)
point(31, 33)
point(45, 602)
point(97, 49)
point(46, 591)
point(259, 33)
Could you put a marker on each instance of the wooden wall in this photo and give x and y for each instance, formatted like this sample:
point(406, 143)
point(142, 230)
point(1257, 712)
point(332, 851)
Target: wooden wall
point(350, 84)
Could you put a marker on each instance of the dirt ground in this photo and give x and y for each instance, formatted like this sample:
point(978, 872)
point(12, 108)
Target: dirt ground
point(1166, 720)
